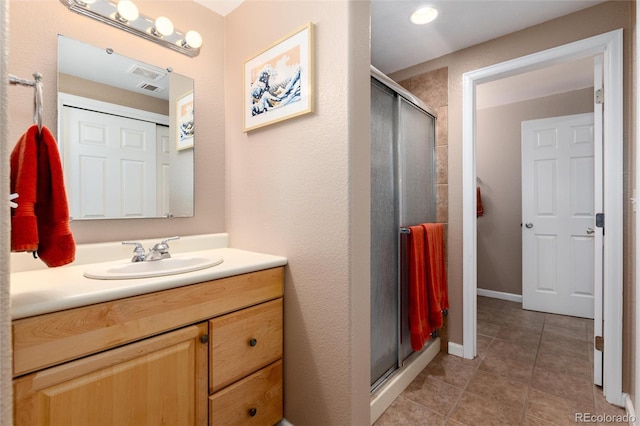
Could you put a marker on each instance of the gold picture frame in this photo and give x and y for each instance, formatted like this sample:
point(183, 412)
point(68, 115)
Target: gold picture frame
point(278, 81)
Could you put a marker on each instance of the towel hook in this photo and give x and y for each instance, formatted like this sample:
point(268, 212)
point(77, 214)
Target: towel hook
point(37, 100)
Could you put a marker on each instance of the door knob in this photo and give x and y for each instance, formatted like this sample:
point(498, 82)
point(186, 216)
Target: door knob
point(529, 225)
point(590, 231)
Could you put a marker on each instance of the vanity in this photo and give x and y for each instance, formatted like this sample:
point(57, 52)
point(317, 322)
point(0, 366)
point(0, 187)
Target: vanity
point(197, 348)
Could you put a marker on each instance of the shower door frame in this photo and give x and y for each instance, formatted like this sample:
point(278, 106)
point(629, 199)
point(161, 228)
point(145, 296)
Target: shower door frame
point(404, 352)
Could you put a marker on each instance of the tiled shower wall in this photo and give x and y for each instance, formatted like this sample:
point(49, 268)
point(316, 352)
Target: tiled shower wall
point(432, 89)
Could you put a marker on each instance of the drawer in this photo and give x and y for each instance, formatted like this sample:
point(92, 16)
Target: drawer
point(243, 342)
point(255, 400)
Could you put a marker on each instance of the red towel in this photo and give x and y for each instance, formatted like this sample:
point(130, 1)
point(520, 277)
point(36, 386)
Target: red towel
point(57, 246)
point(24, 178)
point(419, 326)
point(437, 294)
point(44, 226)
point(479, 206)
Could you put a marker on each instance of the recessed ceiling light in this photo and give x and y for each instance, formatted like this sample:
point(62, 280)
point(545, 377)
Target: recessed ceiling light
point(424, 15)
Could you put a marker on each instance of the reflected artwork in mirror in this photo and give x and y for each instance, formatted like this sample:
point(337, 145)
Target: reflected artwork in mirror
point(119, 132)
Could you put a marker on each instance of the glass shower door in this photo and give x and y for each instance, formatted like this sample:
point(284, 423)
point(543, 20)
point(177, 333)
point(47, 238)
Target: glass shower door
point(384, 234)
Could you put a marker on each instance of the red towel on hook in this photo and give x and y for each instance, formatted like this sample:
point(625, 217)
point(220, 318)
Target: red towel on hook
point(41, 220)
point(24, 178)
point(437, 292)
point(419, 325)
point(57, 246)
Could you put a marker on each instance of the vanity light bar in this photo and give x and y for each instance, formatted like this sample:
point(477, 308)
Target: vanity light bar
point(143, 26)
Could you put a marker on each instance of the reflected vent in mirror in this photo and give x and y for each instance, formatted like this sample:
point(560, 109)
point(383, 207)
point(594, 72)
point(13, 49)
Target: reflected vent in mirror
point(149, 87)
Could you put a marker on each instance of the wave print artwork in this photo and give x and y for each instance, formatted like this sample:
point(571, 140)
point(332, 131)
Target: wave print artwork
point(278, 82)
point(267, 95)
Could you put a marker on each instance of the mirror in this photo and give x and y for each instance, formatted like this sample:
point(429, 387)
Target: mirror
point(125, 133)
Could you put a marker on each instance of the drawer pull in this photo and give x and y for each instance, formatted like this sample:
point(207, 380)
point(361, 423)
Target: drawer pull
point(204, 338)
point(253, 342)
point(253, 411)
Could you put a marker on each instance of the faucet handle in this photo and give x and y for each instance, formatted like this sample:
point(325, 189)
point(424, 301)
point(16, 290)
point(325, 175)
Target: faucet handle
point(139, 255)
point(160, 250)
point(169, 239)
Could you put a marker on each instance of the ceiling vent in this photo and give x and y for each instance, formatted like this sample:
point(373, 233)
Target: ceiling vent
point(149, 87)
point(146, 73)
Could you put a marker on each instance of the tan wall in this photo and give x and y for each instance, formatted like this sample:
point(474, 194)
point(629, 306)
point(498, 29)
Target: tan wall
point(498, 166)
point(586, 23)
point(34, 27)
point(300, 188)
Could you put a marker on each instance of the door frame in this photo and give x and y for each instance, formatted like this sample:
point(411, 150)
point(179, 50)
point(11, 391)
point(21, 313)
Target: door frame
point(610, 46)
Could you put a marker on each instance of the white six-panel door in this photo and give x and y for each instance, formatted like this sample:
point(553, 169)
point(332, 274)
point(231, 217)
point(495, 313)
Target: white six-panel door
point(558, 246)
point(110, 165)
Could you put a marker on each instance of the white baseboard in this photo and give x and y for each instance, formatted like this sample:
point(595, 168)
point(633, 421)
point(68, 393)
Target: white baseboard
point(499, 295)
point(630, 411)
point(455, 349)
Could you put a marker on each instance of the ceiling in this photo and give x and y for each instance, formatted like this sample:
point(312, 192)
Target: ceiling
point(461, 24)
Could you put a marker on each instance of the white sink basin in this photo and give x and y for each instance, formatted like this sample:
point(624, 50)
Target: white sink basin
point(155, 268)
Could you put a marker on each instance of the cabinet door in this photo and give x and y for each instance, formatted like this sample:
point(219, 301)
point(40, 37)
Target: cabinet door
point(160, 380)
point(243, 342)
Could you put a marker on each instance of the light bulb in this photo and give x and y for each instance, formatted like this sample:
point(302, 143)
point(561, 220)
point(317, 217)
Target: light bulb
point(193, 39)
point(424, 15)
point(164, 26)
point(127, 10)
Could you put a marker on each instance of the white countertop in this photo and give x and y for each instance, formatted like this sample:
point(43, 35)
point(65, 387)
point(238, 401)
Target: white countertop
point(48, 290)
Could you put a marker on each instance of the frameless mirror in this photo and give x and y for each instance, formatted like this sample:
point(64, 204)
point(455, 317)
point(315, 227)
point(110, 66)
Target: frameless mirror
point(126, 135)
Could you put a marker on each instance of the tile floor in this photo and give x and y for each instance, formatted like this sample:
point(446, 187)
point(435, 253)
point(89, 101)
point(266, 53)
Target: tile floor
point(532, 369)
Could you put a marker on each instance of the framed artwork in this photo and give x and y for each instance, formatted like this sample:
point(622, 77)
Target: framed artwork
point(184, 122)
point(278, 82)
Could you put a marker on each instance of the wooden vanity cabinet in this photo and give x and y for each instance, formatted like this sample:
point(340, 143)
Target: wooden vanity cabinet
point(207, 353)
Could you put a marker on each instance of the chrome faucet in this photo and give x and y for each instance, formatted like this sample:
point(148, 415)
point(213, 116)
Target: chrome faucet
point(138, 252)
point(160, 250)
point(157, 252)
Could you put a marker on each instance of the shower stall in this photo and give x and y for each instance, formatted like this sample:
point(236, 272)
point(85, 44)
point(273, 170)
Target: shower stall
point(403, 194)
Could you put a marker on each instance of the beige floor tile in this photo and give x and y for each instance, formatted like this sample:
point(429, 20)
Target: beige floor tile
point(483, 343)
point(578, 389)
point(478, 411)
point(486, 328)
point(507, 366)
point(450, 369)
point(527, 338)
point(577, 367)
point(559, 332)
point(566, 322)
point(405, 412)
point(564, 346)
point(436, 395)
point(530, 318)
point(553, 409)
point(498, 389)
